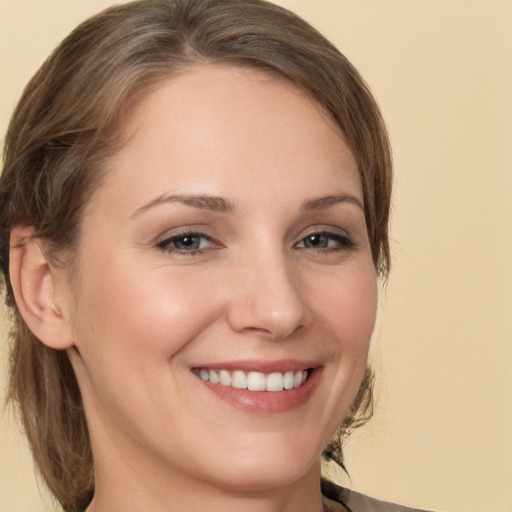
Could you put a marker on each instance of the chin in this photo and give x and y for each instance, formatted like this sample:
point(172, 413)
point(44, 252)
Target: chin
point(266, 479)
point(269, 468)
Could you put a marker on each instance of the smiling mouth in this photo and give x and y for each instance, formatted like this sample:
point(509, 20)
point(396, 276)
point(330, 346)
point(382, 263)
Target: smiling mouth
point(254, 381)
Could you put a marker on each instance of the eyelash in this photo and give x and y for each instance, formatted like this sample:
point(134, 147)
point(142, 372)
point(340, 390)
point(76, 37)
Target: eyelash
point(166, 245)
point(342, 242)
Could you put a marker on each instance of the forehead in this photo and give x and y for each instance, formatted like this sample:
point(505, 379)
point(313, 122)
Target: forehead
point(215, 122)
point(230, 94)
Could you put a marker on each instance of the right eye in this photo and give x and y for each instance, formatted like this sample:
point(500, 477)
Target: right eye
point(186, 243)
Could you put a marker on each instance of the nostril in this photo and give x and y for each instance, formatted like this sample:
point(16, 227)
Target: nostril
point(256, 331)
point(277, 333)
point(269, 308)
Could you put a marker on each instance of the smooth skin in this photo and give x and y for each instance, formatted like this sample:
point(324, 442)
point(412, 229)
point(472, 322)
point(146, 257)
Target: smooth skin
point(230, 227)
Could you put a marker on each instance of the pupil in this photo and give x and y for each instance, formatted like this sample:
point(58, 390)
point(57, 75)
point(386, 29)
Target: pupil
point(317, 241)
point(187, 242)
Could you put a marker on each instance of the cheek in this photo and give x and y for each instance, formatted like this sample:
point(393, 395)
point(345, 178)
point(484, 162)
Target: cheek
point(132, 329)
point(348, 306)
point(133, 316)
point(349, 314)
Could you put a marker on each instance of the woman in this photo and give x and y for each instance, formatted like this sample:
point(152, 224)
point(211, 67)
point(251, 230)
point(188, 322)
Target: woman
point(194, 209)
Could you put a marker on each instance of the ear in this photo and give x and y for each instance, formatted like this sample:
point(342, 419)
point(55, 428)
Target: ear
point(39, 289)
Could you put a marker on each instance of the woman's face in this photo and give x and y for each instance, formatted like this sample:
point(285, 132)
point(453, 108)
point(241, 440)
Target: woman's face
point(228, 242)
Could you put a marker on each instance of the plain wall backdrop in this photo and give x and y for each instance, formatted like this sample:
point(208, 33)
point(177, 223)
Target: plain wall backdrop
point(441, 70)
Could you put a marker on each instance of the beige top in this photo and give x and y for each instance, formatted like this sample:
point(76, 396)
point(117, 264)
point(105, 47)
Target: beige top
point(339, 499)
point(336, 499)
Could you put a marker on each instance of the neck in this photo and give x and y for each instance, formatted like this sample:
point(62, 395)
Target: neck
point(130, 478)
point(128, 490)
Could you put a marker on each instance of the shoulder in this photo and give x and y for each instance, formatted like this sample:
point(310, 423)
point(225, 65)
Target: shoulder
point(346, 500)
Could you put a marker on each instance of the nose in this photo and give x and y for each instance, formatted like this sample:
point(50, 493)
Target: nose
point(267, 299)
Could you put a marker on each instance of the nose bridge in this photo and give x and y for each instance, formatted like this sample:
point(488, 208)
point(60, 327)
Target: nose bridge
point(268, 299)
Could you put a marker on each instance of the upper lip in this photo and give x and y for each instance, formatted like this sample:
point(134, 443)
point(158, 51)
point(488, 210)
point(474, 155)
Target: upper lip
point(263, 366)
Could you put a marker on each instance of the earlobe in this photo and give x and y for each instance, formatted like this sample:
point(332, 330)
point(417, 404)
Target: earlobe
point(35, 287)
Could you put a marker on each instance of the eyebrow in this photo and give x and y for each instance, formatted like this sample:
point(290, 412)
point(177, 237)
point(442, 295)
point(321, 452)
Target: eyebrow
point(203, 202)
point(326, 201)
point(222, 205)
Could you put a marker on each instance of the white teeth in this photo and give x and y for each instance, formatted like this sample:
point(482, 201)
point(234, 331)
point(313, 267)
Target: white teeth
point(213, 376)
point(275, 382)
point(239, 380)
point(225, 378)
point(255, 381)
point(288, 380)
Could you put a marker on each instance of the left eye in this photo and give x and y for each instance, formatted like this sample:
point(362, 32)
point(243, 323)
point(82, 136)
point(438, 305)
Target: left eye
point(325, 241)
point(187, 242)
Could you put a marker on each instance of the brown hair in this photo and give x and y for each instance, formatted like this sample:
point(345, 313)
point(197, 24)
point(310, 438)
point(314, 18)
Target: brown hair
point(67, 123)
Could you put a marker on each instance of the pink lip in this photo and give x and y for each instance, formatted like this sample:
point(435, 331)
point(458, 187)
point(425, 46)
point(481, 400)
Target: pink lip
point(265, 402)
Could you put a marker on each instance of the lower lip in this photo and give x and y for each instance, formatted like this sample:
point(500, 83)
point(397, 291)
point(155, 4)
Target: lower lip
point(266, 402)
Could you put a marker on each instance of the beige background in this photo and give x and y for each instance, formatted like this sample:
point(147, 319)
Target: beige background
point(441, 70)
